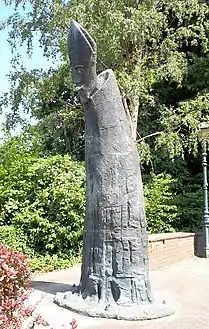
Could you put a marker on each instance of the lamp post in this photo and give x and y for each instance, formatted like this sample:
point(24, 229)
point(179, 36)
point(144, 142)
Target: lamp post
point(203, 135)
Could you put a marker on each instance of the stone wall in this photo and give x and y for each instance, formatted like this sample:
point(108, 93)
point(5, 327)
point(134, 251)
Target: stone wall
point(169, 248)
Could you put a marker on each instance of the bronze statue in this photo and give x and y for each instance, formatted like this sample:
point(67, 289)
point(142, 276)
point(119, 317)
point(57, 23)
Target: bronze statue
point(114, 275)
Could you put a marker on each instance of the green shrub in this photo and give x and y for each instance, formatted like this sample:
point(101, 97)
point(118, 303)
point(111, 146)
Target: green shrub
point(42, 200)
point(51, 216)
point(161, 211)
point(45, 263)
point(14, 238)
point(189, 201)
point(186, 188)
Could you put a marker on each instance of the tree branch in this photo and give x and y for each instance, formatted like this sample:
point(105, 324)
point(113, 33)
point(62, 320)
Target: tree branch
point(145, 137)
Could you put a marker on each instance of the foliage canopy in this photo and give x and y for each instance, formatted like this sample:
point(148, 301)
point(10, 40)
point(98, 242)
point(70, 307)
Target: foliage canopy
point(157, 49)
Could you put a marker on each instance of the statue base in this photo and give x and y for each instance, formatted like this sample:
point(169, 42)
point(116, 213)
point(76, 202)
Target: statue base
point(90, 306)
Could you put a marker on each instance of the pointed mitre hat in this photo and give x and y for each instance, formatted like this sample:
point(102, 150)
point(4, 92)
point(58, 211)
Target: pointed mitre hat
point(81, 47)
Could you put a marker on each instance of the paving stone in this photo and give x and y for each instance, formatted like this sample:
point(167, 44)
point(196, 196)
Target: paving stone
point(184, 286)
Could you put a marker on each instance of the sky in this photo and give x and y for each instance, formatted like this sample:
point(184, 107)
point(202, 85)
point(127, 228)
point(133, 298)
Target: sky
point(37, 60)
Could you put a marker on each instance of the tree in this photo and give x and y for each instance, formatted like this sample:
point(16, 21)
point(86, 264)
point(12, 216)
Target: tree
point(158, 51)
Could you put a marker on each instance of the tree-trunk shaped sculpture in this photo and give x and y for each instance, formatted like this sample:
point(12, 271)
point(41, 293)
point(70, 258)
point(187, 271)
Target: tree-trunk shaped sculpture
point(114, 273)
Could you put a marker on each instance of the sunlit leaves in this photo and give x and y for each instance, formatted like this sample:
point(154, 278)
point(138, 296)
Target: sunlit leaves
point(157, 49)
point(44, 197)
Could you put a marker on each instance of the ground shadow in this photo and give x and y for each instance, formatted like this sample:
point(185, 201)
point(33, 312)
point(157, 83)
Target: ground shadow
point(198, 245)
point(50, 287)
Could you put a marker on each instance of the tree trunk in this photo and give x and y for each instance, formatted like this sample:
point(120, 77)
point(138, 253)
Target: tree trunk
point(132, 114)
point(134, 110)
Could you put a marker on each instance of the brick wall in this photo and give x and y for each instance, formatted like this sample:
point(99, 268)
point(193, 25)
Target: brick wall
point(169, 248)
